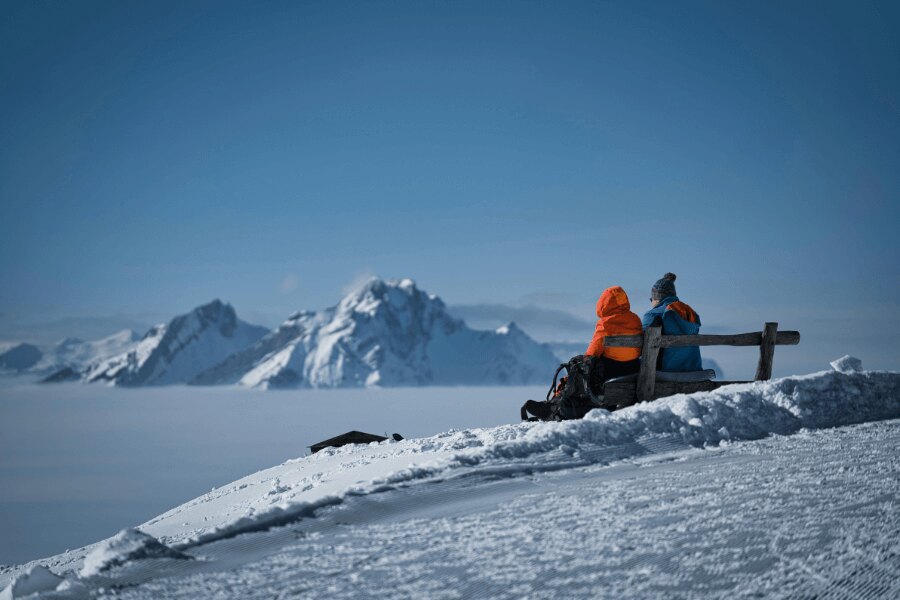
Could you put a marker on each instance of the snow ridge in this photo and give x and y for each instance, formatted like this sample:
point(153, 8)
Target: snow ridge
point(386, 333)
point(77, 354)
point(66, 358)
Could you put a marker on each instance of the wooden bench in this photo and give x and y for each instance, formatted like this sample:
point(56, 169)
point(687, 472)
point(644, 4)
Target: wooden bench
point(646, 387)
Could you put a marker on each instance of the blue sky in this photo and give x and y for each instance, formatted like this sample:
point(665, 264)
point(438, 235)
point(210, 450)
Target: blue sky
point(156, 155)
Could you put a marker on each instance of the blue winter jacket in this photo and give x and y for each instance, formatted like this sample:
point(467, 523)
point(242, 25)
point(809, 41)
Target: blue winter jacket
point(676, 318)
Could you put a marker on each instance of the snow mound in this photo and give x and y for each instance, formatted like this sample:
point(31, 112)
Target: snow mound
point(125, 546)
point(847, 364)
point(301, 487)
point(37, 578)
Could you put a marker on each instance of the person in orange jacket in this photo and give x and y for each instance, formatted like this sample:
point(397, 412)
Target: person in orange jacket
point(614, 317)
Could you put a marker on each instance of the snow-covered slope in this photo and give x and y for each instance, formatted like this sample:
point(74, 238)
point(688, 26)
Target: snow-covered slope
point(387, 333)
point(655, 500)
point(735, 412)
point(177, 351)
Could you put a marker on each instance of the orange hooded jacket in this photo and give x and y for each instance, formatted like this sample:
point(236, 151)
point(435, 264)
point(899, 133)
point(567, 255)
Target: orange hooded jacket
point(614, 318)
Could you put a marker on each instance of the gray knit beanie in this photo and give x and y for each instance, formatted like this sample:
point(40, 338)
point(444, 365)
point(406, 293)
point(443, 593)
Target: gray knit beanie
point(665, 287)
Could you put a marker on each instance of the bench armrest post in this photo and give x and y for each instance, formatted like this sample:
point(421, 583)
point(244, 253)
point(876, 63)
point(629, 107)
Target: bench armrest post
point(766, 352)
point(646, 382)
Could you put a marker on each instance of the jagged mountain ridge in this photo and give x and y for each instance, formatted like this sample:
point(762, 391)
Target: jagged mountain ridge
point(71, 354)
point(387, 333)
point(77, 354)
point(177, 351)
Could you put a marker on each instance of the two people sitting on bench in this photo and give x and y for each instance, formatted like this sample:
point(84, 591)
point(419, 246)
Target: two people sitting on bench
point(676, 318)
point(614, 317)
point(571, 400)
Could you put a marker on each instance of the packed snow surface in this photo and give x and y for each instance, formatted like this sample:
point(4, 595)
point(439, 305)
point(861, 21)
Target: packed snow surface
point(35, 579)
point(669, 498)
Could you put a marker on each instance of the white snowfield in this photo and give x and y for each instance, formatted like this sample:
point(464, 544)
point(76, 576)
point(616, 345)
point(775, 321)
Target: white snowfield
point(786, 488)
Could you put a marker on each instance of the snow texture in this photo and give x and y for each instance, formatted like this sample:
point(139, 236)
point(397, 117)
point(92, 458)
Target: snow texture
point(127, 545)
point(737, 412)
point(658, 500)
point(847, 364)
point(36, 578)
point(385, 333)
point(811, 515)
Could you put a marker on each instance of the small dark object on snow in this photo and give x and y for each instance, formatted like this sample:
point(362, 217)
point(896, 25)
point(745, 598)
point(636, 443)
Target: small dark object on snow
point(397, 437)
point(351, 437)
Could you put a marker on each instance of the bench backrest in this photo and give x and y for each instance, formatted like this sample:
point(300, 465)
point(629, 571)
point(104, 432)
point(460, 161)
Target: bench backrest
point(652, 340)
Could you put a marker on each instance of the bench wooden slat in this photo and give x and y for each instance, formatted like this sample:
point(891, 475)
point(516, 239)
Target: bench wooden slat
point(646, 387)
point(783, 338)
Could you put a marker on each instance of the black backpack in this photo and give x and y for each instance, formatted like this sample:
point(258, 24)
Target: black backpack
point(576, 393)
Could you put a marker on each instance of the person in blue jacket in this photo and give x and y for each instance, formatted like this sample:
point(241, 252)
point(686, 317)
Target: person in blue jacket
point(676, 318)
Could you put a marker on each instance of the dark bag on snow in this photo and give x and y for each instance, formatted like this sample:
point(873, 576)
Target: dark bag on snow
point(575, 394)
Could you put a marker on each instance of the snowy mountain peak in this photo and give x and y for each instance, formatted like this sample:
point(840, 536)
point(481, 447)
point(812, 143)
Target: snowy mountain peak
point(215, 313)
point(387, 333)
point(178, 351)
point(511, 329)
point(376, 292)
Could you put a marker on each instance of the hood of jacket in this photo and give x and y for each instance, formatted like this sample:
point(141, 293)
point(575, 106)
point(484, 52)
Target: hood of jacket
point(612, 301)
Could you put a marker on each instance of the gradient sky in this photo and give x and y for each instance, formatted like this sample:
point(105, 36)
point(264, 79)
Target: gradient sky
point(156, 155)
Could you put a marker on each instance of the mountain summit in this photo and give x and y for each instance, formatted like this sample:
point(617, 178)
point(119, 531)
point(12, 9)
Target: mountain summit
point(177, 351)
point(387, 333)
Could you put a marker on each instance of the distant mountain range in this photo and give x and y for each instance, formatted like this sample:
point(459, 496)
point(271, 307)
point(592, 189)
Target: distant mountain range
point(385, 333)
point(543, 324)
point(70, 354)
